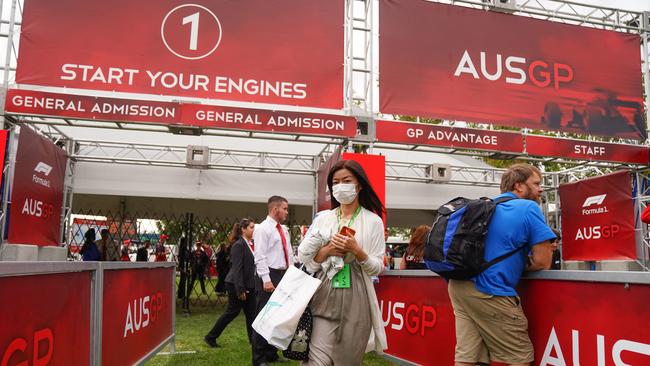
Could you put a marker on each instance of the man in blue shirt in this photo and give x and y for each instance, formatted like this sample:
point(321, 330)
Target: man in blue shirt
point(490, 323)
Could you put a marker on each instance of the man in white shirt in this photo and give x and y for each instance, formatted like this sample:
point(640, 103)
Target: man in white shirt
point(273, 256)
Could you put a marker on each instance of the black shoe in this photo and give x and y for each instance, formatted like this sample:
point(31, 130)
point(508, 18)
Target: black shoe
point(210, 342)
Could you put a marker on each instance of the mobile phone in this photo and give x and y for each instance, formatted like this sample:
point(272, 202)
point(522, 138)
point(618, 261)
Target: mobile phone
point(347, 231)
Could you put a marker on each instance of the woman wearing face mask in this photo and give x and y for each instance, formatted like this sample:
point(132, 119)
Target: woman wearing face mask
point(346, 317)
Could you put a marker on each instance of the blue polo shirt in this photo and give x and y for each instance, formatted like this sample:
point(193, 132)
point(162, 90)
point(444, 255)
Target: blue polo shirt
point(514, 223)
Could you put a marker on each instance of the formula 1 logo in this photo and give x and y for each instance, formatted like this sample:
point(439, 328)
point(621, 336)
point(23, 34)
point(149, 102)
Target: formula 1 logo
point(41, 167)
point(594, 200)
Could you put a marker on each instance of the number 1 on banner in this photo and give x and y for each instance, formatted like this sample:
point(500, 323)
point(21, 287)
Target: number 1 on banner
point(194, 30)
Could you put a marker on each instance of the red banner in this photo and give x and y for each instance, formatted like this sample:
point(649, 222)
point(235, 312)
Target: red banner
point(37, 103)
point(45, 319)
point(598, 218)
point(137, 313)
point(419, 321)
point(375, 168)
point(3, 148)
point(586, 150)
point(516, 71)
point(37, 191)
point(323, 196)
point(435, 135)
point(234, 50)
point(268, 121)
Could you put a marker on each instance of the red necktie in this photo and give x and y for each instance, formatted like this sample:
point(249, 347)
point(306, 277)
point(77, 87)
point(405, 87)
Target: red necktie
point(284, 245)
point(252, 245)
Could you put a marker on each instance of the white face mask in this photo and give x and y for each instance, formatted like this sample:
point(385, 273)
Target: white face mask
point(345, 193)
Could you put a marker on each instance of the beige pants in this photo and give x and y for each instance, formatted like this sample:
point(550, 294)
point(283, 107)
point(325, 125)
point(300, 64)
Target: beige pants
point(488, 327)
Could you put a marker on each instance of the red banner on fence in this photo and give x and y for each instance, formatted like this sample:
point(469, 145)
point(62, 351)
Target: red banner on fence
point(37, 191)
point(598, 218)
point(92, 108)
point(435, 135)
point(45, 319)
point(268, 121)
point(586, 150)
point(137, 313)
point(233, 50)
point(516, 71)
point(419, 321)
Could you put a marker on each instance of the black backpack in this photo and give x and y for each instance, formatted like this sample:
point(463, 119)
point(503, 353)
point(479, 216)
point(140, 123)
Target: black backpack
point(456, 244)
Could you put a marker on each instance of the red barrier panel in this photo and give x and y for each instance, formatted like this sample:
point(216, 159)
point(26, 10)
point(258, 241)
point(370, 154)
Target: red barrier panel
point(586, 150)
point(233, 50)
point(435, 135)
point(37, 191)
point(570, 322)
point(137, 313)
point(45, 319)
point(598, 218)
point(453, 62)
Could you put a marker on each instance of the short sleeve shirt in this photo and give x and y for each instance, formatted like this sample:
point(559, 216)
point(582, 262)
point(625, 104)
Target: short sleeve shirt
point(515, 223)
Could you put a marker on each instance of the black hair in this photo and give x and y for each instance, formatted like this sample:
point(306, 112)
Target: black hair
point(368, 198)
point(237, 229)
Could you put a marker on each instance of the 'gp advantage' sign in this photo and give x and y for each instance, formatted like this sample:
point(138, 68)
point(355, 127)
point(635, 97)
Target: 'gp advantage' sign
point(233, 50)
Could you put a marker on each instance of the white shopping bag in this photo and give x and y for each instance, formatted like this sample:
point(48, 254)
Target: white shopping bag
point(278, 319)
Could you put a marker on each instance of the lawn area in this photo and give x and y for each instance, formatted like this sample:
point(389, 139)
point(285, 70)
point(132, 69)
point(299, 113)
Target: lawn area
point(234, 350)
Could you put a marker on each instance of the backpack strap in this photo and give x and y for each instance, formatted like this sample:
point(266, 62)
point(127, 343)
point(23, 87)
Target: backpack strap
point(504, 199)
point(510, 253)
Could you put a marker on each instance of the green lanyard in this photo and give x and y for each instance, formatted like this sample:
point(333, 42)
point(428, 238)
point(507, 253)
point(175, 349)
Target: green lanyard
point(354, 216)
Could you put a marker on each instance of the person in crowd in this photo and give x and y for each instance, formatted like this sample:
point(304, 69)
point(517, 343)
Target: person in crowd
point(240, 282)
point(490, 323)
point(110, 250)
point(161, 251)
point(142, 255)
point(199, 262)
point(124, 254)
point(414, 255)
point(89, 250)
point(556, 261)
point(345, 308)
point(223, 262)
point(273, 256)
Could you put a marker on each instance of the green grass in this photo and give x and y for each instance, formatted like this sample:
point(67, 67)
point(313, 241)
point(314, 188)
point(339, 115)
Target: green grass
point(234, 350)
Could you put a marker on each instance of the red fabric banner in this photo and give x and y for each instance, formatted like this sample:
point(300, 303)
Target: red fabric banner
point(586, 150)
point(268, 121)
point(234, 50)
point(323, 196)
point(45, 319)
point(375, 168)
point(435, 135)
point(37, 103)
point(453, 62)
point(37, 191)
point(419, 321)
point(137, 313)
point(598, 218)
point(4, 134)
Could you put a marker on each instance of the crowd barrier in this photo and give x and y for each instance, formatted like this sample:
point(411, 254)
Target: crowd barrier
point(575, 317)
point(85, 313)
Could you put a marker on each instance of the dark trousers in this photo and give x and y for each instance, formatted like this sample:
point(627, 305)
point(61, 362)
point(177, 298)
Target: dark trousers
point(200, 274)
point(232, 310)
point(262, 351)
